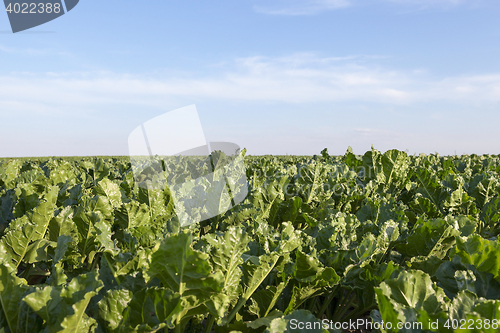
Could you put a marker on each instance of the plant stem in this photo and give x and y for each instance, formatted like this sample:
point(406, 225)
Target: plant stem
point(108, 261)
point(386, 254)
point(249, 293)
point(360, 312)
point(346, 307)
point(313, 304)
point(327, 301)
point(210, 323)
point(95, 261)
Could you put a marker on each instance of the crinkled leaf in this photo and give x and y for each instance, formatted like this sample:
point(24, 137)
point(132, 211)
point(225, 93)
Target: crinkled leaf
point(63, 307)
point(430, 238)
point(480, 252)
point(12, 290)
point(409, 298)
point(112, 306)
point(30, 227)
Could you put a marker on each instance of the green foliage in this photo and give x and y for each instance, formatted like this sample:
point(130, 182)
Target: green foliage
point(386, 236)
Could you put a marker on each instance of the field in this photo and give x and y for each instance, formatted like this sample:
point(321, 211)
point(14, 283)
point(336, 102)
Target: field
point(408, 243)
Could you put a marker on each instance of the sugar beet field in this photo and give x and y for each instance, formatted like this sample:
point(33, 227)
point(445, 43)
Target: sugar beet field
point(399, 243)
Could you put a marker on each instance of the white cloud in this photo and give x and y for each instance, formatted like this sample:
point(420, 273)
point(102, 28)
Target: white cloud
point(409, 6)
point(33, 51)
point(301, 7)
point(299, 78)
point(311, 7)
point(385, 103)
point(430, 2)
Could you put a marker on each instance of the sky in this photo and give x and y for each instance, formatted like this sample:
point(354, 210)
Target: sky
point(273, 76)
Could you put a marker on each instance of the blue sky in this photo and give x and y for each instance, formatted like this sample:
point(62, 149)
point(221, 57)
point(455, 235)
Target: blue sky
point(274, 76)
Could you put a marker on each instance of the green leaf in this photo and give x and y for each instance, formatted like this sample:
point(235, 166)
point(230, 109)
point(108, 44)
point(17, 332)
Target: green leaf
point(187, 272)
point(484, 187)
point(7, 202)
point(265, 321)
point(423, 205)
point(491, 211)
point(268, 197)
point(292, 209)
point(263, 301)
point(410, 297)
point(30, 227)
point(465, 224)
point(183, 269)
point(227, 251)
point(310, 182)
point(430, 238)
point(429, 186)
point(152, 309)
point(363, 279)
point(112, 307)
point(480, 252)
point(159, 202)
point(132, 215)
point(255, 270)
point(27, 199)
point(111, 190)
point(395, 165)
point(427, 264)
point(310, 278)
point(462, 304)
point(103, 237)
point(12, 290)
point(482, 317)
point(63, 307)
point(454, 276)
point(39, 251)
point(62, 224)
point(460, 203)
point(9, 171)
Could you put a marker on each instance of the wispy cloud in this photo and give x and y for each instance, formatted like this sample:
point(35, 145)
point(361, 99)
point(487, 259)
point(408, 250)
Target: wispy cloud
point(311, 7)
point(301, 7)
point(430, 2)
point(87, 100)
point(409, 6)
point(298, 78)
point(32, 51)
